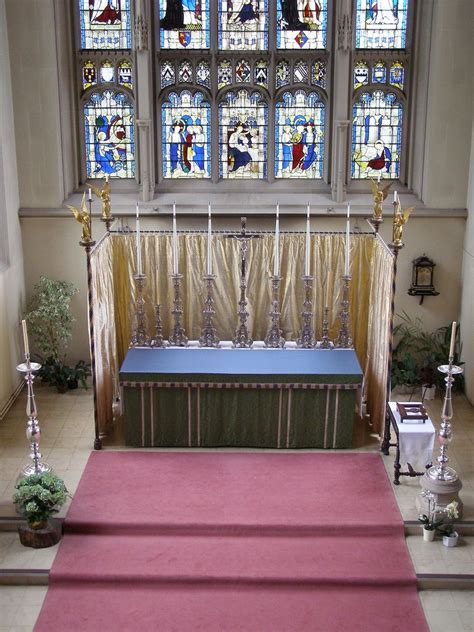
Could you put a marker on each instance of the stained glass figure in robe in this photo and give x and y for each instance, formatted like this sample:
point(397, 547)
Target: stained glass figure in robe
point(299, 136)
point(105, 24)
point(243, 24)
point(381, 23)
point(109, 135)
point(186, 137)
point(184, 23)
point(243, 136)
point(376, 135)
point(301, 24)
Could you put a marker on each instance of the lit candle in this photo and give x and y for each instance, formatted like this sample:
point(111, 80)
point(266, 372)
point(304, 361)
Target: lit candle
point(453, 341)
point(276, 254)
point(395, 197)
point(175, 242)
point(90, 194)
point(209, 242)
point(139, 250)
point(308, 246)
point(379, 176)
point(25, 338)
point(348, 226)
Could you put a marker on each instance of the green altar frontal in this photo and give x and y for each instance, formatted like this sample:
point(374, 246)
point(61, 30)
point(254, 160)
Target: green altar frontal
point(262, 398)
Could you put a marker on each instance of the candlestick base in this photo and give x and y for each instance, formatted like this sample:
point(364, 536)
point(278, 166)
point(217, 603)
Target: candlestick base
point(178, 337)
point(158, 340)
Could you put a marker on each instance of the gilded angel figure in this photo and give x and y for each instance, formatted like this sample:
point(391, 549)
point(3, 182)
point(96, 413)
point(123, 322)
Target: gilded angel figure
point(104, 195)
point(82, 215)
point(399, 220)
point(380, 194)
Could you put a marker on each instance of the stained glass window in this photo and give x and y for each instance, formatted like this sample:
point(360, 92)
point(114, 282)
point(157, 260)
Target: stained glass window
point(300, 72)
point(381, 23)
point(109, 135)
point(184, 23)
point(185, 72)
point(301, 24)
point(379, 73)
point(203, 74)
point(125, 74)
point(361, 74)
point(89, 74)
point(318, 74)
point(242, 71)
point(376, 135)
point(243, 24)
point(282, 74)
point(299, 137)
point(243, 135)
point(167, 74)
point(105, 24)
point(107, 72)
point(397, 75)
point(261, 72)
point(224, 73)
point(186, 136)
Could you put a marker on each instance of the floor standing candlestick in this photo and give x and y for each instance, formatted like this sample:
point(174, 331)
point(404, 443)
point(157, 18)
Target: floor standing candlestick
point(306, 339)
point(209, 336)
point(344, 340)
point(325, 342)
point(158, 340)
point(139, 336)
point(274, 338)
point(178, 336)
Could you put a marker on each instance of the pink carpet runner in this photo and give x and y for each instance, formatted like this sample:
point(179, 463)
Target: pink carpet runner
point(208, 542)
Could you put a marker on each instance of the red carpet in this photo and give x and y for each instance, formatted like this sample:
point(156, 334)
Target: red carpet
point(211, 542)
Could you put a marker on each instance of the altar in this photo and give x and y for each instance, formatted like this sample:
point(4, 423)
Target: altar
point(262, 398)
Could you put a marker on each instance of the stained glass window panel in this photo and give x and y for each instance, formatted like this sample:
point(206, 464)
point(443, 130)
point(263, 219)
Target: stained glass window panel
point(224, 73)
point(361, 74)
point(242, 71)
point(125, 74)
point(318, 74)
point(89, 74)
point(184, 24)
point(379, 73)
point(185, 72)
point(381, 23)
point(186, 136)
point(243, 24)
point(261, 73)
point(107, 72)
point(397, 75)
point(376, 135)
point(243, 136)
point(105, 24)
point(301, 24)
point(109, 135)
point(299, 136)
point(300, 72)
point(167, 74)
point(282, 74)
point(203, 74)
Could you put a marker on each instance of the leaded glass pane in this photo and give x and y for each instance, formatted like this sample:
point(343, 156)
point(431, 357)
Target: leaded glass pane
point(125, 74)
point(242, 71)
point(186, 136)
point(185, 72)
point(379, 73)
point(167, 74)
point(282, 74)
point(110, 135)
point(89, 74)
point(301, 24)
point(376, 135)
point(361, 74)
point(203, 74)
point(184, 23)
point(397, 75)
point(105, 24)
point(224, 73)
point(318, 74)
point(381, 23)
point(107, 72)
point(299, 137)
point(243, 136)
point(300, 72)
point(243, 24)
point(261, 73)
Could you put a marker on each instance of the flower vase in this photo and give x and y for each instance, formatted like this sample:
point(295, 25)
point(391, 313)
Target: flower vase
point(428, 535)
point(451, 539)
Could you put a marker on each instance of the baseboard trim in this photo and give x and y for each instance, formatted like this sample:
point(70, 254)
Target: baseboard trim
point(9, 403)
point(433, 581)
point(23, 577)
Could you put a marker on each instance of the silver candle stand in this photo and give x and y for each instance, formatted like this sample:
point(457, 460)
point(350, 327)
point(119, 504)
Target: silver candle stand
point(325, 342)
point(158, 340)
point(274, 338)
point(178, 336)
point(306, 338)
point(344, 340)
point(139, 336)
point(209, 337)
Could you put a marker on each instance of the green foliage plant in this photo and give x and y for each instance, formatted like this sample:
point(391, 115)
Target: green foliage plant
point(39, 496)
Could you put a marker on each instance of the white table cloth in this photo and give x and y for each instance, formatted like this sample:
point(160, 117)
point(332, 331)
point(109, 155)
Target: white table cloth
point(415, 439)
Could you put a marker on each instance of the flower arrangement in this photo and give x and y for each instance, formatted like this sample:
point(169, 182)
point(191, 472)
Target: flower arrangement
point(39, 496)
point(439, 519)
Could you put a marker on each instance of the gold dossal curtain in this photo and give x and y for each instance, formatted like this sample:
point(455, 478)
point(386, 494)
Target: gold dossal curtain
point(113, 267)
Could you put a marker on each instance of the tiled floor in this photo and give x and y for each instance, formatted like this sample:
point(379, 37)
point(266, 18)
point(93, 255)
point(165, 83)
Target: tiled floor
point(67, 436)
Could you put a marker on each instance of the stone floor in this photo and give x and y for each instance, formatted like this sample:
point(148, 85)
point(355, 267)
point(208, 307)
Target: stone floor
point(67, 436)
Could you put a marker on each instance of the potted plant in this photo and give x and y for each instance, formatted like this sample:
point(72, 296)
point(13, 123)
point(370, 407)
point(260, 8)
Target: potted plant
point(434, 522)
point(79, 374)
point(38, 497)
point(447, 531)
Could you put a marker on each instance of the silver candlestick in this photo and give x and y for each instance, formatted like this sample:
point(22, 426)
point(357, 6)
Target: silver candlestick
point(158, 340)
point(325, 342)
point(139, 336)
point(344, 340)
point(33, 430)
point(209, 336)
point(178, 337)
point(307, 339)
point(241, 337)
point(274, 338)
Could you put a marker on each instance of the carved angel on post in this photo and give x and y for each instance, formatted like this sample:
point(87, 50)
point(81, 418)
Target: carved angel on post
point(84, 218)
point(380, 194)
point(104, 195)
point(399, 220)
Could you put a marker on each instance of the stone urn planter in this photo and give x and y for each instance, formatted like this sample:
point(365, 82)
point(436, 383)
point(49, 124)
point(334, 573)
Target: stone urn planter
point(39, 535)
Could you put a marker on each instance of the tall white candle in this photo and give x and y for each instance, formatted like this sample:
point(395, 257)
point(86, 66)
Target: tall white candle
point(308, 245)
point(139, 250)
point(379, 176)
point(348, 227)
point(209, 242)
point(25, 337)
point(453, 340)
point(175, 242)
point(90, 195)
point(395, 197)
point(276, 252)
point(106, 177)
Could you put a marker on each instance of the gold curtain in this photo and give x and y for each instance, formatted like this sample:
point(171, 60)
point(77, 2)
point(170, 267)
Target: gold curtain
point(114, 291)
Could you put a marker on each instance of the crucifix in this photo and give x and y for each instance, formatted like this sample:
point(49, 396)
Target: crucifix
point(242, 338)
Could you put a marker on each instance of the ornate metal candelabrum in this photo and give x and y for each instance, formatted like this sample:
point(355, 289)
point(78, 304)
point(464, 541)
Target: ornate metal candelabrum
point(178, 336)
point(274, 338)
point(33, 430)
point(139, 337)
point(209, 336)
point(325, 342)
point(242, 338)
point(158, 340)
point(306, 339)
point(344, 340)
